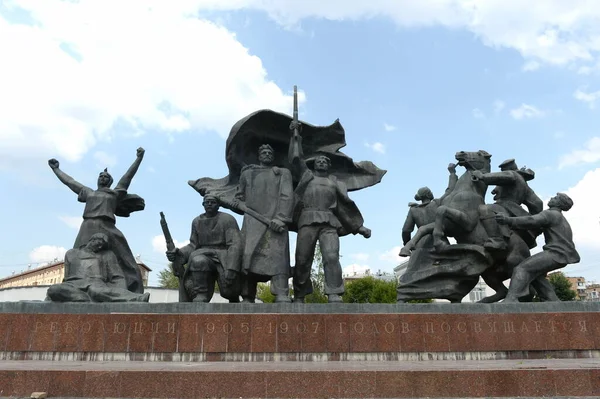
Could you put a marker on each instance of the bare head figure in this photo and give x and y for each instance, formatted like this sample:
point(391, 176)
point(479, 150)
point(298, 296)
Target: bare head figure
point(561, 201)
point(266, 155)
point(97, 242)
point(424, 194)
point(322, 163)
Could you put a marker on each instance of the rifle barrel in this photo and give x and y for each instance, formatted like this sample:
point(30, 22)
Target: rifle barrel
point(295, 103)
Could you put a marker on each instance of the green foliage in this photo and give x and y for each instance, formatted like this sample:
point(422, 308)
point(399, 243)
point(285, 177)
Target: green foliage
point(263, 292)
point(318, 280)
point(562, 287)
point(370, 290)
point(167, 279)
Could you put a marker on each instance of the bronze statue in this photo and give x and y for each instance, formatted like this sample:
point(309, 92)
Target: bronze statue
point(558, 252)
point(323, 211)
point(92, 274)
point(213, 254)
point(267, 195)
point(422, 214)
point(451, 271)
point(250, 189)
point(101, 208)
point(510, 193)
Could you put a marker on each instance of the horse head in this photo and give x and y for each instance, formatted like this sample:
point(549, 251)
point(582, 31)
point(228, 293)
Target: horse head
point(479, 160)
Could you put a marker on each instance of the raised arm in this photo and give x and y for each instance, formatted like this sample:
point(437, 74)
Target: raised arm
point(452, 179)
point(541, 220)
point(499, 178)
point(67, 180)
point(533, 203)
point(125, 181)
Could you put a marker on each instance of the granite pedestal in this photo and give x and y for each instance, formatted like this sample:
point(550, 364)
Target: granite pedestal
point(293, 350)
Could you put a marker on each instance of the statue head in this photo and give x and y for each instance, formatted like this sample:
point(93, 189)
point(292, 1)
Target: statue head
point(509, 164)
point(424, 194)
point(497, 192)
point(211, 204)
point(561, 201)
point(474, 160)
point(105, 179)
point(97, 242)
point(266, 155)
point(322, 163)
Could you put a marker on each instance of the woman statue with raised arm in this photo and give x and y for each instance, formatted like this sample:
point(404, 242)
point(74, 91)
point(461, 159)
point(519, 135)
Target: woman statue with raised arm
point(101, 208)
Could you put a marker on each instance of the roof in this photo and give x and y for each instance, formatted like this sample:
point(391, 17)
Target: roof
point(32, 271)
point(51, 266)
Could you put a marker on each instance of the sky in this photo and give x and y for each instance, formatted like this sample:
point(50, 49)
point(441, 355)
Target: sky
point(88, 82)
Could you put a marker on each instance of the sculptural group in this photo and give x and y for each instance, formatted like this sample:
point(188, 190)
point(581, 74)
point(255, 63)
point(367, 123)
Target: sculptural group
point(290, 176)
point(305, 191)
point(93, 265)
point(493, 241)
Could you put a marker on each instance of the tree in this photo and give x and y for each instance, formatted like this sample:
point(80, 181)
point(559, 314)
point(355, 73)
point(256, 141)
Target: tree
point(318, 280)
point(167, 279)
point(370, 290)
point(263, 292)
point(562, 286)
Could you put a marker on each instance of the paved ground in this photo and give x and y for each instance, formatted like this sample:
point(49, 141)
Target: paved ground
point(554, 364)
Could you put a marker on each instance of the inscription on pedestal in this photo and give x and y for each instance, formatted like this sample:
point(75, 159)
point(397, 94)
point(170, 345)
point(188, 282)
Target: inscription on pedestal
point(300, 332)
point(428, 327)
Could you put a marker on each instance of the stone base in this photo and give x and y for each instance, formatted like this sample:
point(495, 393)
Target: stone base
point(432, 379)
point(294, 350)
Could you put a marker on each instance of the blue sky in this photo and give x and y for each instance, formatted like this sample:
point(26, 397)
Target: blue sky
point(412, 82)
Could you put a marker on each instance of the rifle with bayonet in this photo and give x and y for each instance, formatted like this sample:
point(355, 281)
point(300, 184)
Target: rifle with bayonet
point(176, 265)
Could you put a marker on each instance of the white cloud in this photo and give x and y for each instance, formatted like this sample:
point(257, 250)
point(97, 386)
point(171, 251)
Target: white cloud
point(553, 32)
point(73, 222)
point(47, 253)
point(526, 111)
point(587, 97)
point(377, 147)
point(159, 244)
point(392, 256)
point(590, 154)
point(530, 66)
point(389, 128)
point(360, 257)
point(498, 106)
point(589, 69)
point(148, 65)
point(477, 113)
point(584, 216)
point(104, 160)
point(355, 269)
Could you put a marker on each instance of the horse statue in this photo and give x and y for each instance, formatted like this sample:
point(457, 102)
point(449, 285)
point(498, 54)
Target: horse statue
point(452, 271)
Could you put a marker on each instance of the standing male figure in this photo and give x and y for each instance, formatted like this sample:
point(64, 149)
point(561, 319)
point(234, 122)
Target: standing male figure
point(267, 190)
point(213, 254)
point(558, 252)
point(322, 211)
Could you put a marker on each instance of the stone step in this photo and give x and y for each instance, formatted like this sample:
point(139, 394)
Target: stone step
point(350, 379)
